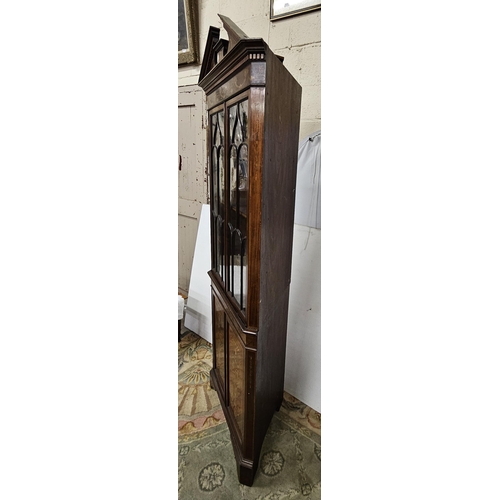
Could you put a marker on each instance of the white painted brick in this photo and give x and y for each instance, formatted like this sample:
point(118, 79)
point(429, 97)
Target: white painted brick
point(279, 36)
point(311, 103)
point(296, 31)
point(254, 27)
point(304, 63)
point(292, 61)
point(188, 75)
point(308, 127)
point(305, 29)
point(310, 64)
point(241, 10)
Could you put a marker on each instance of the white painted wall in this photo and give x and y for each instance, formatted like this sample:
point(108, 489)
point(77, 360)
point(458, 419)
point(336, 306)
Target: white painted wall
point(297, 39)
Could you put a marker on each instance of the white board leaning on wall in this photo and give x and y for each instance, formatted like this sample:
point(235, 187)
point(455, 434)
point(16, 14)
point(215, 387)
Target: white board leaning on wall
point(308, 190)
point(303, 349)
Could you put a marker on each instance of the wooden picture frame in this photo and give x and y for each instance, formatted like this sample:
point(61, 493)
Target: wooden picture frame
point(287, 8)
point(188, 32)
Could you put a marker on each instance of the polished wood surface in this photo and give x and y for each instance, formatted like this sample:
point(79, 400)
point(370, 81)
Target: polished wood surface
point(250, 341)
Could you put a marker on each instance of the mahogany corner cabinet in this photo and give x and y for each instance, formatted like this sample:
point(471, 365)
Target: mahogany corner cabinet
point(253, 105)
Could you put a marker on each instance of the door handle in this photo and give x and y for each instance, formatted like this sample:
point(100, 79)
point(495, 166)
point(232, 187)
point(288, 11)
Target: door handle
point(180, 163)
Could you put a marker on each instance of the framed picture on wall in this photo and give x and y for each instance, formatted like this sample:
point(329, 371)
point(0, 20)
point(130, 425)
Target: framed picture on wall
point(286, 8)
point(188, 32)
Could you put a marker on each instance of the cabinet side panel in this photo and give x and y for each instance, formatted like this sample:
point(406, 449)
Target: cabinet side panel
point(279, 174)
point(270, 376)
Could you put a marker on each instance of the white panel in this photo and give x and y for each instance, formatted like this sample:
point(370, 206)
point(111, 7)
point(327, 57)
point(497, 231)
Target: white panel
point(198, 316)
point(303, 352)
point(308, 190)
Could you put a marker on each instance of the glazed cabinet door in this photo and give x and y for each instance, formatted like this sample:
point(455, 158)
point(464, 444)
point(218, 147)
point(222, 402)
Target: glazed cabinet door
point(229, 169)
point(217, 159)
point(237, 225)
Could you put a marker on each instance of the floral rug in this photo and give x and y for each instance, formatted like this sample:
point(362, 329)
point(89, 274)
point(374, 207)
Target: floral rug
point(290, 462)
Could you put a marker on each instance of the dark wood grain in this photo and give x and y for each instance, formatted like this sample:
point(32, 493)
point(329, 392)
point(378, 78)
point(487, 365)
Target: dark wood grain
point(208, 56)
point(279, 176)
point(251, 71)
point(279, 173)
point(256, 140)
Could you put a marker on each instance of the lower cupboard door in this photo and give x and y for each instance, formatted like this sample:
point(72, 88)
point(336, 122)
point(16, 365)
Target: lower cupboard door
point(219, 344)
point(236, 364)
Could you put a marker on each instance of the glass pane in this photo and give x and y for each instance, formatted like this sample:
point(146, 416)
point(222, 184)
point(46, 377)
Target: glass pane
point(237, 223)
point(236, 378)
point(218, 186)
point(220, 247)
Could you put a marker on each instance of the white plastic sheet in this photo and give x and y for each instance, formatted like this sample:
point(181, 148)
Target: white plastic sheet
point(198, 315)
point(308, 189)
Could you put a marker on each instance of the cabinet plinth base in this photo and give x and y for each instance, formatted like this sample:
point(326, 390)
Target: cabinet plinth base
point(246, 474)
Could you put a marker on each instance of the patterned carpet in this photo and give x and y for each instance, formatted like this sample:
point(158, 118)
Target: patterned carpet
point(290, 463)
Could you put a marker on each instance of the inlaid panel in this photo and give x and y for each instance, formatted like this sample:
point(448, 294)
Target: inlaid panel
point(219, 343)
point(236, 357)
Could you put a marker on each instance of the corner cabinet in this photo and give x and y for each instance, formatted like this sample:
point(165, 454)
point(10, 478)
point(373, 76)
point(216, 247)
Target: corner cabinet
point(253, 108)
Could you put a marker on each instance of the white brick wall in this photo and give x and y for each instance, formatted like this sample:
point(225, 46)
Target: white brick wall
point(297, 38)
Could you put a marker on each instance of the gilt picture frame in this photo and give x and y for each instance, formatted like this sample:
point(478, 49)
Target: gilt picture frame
point(287, 8)
point(188, 32)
